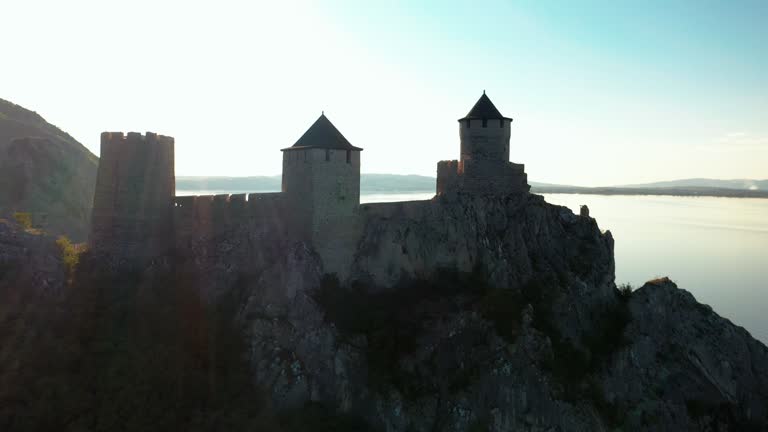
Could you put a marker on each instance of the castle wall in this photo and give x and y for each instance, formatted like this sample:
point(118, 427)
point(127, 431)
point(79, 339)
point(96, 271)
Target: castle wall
point(490, 142)
point(447, 176)
point(133, 201)
point(481, 177)
point(214, 214)
point(395, 210)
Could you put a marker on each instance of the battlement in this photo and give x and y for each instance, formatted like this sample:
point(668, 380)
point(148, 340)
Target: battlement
point(210, 215)
point(135, 138)
point(294, 157)
point(485, 123)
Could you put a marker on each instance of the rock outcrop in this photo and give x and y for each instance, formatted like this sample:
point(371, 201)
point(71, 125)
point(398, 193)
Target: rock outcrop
point(45, 172)
point(459, 314)
point(465, 313)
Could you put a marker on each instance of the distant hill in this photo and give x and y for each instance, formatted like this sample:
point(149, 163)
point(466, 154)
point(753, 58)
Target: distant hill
point(369, 183)
point(394, 183)
point(228, 184)
point(745, 184)
point(45, 172)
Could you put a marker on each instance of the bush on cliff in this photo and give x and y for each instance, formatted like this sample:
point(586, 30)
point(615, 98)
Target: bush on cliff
point(23, 219)
point(70, 255)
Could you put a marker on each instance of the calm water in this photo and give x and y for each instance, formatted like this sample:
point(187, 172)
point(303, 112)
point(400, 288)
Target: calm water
point(716, 248)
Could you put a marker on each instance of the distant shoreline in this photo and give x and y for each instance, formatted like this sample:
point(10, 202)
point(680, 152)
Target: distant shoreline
point(717, 193)
point(682, 192)
point(413, 184)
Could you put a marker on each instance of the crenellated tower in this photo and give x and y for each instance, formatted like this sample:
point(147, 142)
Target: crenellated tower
point(133, 202)
point(484, 167)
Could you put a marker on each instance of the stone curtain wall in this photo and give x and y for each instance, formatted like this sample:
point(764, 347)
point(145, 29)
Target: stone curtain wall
point(481, 177)
point(490, 177)
point(447, 176)
point(133, 201)
point(208, 216)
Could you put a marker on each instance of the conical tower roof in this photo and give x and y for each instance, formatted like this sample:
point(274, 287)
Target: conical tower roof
point(323, 134)
point(484, 109)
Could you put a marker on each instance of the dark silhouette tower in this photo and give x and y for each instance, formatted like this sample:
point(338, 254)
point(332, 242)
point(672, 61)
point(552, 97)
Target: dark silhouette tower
point(321, 180)
point(484, 167)
point(133, 202)
point(484, 133)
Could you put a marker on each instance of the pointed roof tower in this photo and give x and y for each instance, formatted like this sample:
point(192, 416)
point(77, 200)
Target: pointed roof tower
point(322, 134)
point(484, 109)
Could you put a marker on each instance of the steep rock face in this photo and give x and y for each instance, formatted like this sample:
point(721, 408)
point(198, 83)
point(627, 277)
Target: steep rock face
point(45, 172)
point(430, 358)
point(547, 343)
point(686, 368)
point(32, 280)
point(510, 239)
point(462, 315)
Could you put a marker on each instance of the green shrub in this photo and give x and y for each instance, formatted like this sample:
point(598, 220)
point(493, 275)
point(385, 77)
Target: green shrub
point(23, 219)
point(625, 291)
point(70, 256)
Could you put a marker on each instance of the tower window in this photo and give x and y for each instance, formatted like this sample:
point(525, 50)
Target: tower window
point(485, 122)
point(327, 155)
point(469, 123)
point(501, 123)
point(349, 156)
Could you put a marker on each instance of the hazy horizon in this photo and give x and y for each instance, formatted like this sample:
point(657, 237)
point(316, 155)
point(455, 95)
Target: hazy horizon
point(600, 93)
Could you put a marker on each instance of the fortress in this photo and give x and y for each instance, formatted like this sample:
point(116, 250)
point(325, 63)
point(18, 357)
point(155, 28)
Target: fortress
point(136, 215)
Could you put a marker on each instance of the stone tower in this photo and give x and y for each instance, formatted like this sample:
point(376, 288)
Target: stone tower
point(321, 180)
point(484, 133)
point(133, 201)
point(484, 167)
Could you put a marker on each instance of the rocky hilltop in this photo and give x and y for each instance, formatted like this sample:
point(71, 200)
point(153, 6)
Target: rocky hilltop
point(459, 314)
point(45, 172)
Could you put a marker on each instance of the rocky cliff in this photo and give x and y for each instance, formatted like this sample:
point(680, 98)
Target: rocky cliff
point(45, 172)
point(458, 314)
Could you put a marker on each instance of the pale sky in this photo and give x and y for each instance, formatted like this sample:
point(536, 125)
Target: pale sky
point(601, 93)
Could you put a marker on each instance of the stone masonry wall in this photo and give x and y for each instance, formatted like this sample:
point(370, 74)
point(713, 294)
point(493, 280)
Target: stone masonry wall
point(489, 142)
point(204, 217)
point(133, 199)
point(488, 177)
point(447, 176)
point(481, 177)
point(335, 201)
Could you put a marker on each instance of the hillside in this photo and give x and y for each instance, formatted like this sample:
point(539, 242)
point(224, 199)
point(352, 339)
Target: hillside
point(745, 184)
point(369, 183)
point(45, 172)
